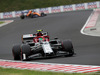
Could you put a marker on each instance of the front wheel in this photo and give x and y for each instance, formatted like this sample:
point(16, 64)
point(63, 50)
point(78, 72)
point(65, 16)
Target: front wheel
point(16, 52)
point(25, 51)
point(68, 47)
point(43, 14)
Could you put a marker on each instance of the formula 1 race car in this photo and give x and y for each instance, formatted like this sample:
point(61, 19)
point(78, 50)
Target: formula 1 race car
point(31, 14)
point(40, 46)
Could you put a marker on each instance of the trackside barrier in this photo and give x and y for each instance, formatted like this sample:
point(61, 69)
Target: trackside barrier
point(56, 9)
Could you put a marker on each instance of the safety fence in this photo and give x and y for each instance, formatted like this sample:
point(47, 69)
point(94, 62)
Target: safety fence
point(57, 9)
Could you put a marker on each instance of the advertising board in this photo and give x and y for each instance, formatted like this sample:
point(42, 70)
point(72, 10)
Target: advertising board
point(0, 15)
point(18, 13)
point(80, 6)
point(45, 10)
point(7, 15)
point(92, 5)
point(55, 9)
point(68, 8)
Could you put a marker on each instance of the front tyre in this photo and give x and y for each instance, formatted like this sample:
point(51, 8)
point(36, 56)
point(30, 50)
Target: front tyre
point(25, 52)
point(68, 47)
point(16, 52)
point(43, 14)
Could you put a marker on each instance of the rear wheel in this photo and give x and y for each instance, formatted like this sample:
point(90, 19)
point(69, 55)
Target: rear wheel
point(25, 52)
point(68, 47)
point(16, 52)
point(22, 16)
point(42, 14)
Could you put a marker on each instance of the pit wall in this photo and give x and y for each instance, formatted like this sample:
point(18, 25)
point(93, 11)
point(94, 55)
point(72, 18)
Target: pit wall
point(57, 9)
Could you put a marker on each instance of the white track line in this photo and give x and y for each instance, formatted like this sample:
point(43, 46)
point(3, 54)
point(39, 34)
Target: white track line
point(82, 30)
point(86, 24)
point(6, 22)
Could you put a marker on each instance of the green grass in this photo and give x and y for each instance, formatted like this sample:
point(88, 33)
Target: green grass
point(1, 22)
point(12, 5)
point(10, 71)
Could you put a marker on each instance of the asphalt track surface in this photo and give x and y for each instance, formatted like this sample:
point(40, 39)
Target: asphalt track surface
point(61, 25)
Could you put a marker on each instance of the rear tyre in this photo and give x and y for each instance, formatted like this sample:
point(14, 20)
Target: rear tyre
point(16, 52)
point(43, 14)
point(68, 47)
point(22, 16)
point(25, 52)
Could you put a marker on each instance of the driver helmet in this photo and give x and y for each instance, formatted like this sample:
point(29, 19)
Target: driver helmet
point(39, 33)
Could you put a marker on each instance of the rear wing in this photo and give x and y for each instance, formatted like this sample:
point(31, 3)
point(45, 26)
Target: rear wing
point(27, 38)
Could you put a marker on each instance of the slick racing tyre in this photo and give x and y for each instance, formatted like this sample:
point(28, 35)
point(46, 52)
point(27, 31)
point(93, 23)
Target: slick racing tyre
point(25, 51)
point(68, 47)
point(42, 14)
point(16, 52)
point(22, 16)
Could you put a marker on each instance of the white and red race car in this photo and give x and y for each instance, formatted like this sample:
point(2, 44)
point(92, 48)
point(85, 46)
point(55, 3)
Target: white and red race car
point(40, 46)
